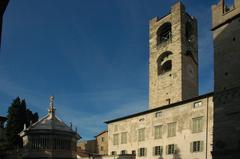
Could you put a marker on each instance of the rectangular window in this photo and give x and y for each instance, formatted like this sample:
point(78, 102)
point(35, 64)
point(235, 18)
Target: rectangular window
point(115, 139)
point(172, 129)
point(141, 134)
point(171, 149)
point(158, 132)
point(157, 151)
point(124, 138)
point(102, 148)
point(123, 152)
point(197, 146)
point(158, 114)
point(102, 139)
point(197, 124)
point(142, 152)
point(197, 104)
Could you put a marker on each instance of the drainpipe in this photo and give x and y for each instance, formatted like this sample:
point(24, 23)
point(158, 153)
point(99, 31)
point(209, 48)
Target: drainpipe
point(207, 129)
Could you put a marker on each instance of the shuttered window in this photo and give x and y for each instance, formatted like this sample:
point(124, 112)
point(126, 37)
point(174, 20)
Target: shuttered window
point(172, 129)
point(124, 138)
point(115, 139)
point(171, 149)
point(196, 146)
point(197, 124)
point(141, 134)
point(142, 152)
point(157, 151)
point(158, 132)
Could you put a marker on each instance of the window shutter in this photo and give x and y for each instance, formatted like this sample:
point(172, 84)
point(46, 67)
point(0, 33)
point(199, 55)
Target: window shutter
point(175, 148)
point(167, 149)
point(191, 147)
point(145, 151)
point(201, 146)
point(138, 153)
point(153, 151)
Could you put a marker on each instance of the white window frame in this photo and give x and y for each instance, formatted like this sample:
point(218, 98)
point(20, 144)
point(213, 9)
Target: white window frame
point(197, 104)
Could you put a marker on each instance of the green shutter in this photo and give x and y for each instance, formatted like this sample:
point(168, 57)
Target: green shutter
point(175, 148)
point(167, 149)
point(145, 151)
point(153, 151)
point(201, 146)
point(191, 147)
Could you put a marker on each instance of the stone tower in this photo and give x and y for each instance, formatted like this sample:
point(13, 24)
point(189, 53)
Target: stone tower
point(226, 36)
point(3, 6)
point(173, 59)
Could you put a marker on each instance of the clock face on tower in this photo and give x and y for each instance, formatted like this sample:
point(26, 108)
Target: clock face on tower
point(190, 71)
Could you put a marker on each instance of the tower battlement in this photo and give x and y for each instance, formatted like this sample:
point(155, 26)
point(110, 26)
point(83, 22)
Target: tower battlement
point(223, 13)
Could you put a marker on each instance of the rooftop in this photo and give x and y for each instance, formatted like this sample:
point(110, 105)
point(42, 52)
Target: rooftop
point(161, 108)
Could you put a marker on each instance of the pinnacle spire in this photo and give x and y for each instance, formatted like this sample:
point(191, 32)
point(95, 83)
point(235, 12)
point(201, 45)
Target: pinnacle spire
point(51, 109)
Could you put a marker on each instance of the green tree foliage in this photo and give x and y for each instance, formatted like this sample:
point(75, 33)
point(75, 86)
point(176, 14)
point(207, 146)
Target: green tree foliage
point(18, 115)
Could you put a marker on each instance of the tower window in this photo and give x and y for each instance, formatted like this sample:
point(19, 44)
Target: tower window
point(164, 63)
point(164, 33)
point(228, 5)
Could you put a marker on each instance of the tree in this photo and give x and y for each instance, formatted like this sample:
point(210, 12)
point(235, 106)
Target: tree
point(18, 115)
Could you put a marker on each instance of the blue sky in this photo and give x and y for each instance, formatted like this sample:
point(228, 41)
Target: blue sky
point(91, 55)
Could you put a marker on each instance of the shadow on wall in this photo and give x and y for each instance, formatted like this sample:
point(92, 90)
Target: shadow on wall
point(177, 154)
point(226, 130)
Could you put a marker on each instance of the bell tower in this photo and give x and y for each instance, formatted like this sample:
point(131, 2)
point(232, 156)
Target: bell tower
point(226, 38)
point(173, 59)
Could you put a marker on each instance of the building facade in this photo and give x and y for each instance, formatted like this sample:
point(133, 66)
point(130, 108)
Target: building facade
point(3, 6)
point(179, 123)
point(102, 143)
point(226, 38)
point(86, 148)
point(181, 130)
point(49, 138)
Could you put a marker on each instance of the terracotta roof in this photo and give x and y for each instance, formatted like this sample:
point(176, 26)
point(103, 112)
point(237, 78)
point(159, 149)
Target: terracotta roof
point(101, 133)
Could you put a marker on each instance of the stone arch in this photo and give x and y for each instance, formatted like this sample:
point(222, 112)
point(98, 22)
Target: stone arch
point(164, 33)
point(164, 62)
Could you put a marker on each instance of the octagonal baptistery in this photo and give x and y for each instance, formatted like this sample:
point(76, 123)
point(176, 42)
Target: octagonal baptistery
point(49, 138)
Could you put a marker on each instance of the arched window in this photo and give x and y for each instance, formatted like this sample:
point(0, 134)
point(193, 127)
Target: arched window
point(164, 33)
point(189, 31)
point(164, 62)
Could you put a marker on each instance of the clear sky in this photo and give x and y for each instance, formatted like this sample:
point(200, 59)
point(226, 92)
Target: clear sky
point(92, 55)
